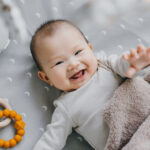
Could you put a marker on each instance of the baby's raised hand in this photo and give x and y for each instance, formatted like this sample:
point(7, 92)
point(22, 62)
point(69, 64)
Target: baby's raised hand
point(138, 59)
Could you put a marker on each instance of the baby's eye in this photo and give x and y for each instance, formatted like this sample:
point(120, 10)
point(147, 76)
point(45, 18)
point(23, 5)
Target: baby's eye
point(78, 52)
point(58, 63)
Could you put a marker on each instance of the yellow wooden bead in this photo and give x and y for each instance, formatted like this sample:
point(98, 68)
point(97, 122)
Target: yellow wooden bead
point(18, 117)
point(1, 142)
point(19, 124)
point(1, 114)
point(18, 138)
point(12, 142)
point(21, 132)
point(12, 114)
point(6, 144)
point(6, 112)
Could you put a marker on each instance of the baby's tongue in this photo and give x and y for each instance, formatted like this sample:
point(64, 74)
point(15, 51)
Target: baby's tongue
point(77, 75)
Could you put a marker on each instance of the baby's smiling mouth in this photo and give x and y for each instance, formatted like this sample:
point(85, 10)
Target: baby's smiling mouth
point(78, 74)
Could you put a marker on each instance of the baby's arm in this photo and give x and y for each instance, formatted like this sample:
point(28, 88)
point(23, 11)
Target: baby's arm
point(123, 65)
point(57, 132)
point(114, 63)
point(137, 59)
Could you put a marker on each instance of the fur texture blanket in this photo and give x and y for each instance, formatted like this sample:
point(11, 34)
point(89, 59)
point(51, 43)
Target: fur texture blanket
point(128, 116)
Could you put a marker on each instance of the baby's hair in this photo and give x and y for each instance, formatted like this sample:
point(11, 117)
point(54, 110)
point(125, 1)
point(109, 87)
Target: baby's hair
point(47, 29)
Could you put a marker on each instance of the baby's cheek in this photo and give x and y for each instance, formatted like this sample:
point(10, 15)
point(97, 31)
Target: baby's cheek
point(59, 78)
point(61, 83)
point(90, 59)
point(86, 57)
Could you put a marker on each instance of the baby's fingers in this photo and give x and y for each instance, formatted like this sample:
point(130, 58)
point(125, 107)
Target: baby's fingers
point(148, 51)
point(125, 56)
point(133, 53)
point(140, 49)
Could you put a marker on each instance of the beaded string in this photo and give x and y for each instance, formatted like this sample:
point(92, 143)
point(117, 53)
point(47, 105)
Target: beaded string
point(19, 125)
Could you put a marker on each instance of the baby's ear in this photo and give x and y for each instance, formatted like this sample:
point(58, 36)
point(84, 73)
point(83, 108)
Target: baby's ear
point(43, 77)
point(90, 46)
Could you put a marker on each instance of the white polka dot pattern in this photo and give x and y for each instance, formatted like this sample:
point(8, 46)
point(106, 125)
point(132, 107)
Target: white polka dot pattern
point(19, 83)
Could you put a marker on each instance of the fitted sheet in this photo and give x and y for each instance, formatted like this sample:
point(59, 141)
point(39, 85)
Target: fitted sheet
point(31, 97)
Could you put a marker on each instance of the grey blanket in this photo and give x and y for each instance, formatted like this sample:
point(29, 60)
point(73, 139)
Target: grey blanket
point(128, 116)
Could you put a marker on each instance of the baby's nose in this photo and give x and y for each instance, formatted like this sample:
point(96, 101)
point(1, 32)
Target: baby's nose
point(73, 64)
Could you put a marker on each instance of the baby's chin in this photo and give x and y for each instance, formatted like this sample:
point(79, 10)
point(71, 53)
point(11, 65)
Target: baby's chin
point(71, 90)
point(75, 87)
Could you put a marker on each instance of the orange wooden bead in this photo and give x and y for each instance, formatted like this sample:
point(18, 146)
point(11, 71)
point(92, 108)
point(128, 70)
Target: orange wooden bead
point(19, 125)
point(6, 112)
point(1, 114)
point(1, 142)
point(12, 114)
point(6, 144)
point(12, 142)
point(21, 132)
point(18, 138)
point(18, 117)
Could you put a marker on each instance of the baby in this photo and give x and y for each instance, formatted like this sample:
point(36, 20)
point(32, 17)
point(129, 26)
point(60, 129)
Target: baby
point(66, 61)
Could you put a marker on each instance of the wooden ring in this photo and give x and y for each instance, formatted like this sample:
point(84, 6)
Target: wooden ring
point(19, 125)
point(6, 121)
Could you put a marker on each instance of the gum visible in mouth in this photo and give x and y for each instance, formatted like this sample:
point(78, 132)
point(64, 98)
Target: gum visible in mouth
point(81, 72)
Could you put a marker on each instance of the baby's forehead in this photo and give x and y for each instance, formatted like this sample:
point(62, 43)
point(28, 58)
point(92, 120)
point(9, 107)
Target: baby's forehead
point(62, 34)
point(66, 28)
point(51, 41)
point(58, 27)
point(63, 29)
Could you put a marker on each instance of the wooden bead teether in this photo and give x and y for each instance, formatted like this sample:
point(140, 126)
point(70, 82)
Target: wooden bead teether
point(6, 121)
point(19, 125)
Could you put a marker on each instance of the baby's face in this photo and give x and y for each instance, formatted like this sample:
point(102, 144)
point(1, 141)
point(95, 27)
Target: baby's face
point(68, 61)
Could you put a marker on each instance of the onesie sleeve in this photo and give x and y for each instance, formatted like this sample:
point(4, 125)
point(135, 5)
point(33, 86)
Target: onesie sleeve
point(114, 62)
point(57, 132)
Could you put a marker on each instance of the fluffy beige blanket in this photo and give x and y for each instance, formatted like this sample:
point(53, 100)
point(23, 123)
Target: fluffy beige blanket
point(128, 116)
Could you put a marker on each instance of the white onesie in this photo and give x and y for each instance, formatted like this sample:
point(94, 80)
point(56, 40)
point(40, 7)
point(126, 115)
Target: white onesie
point(82, 109)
